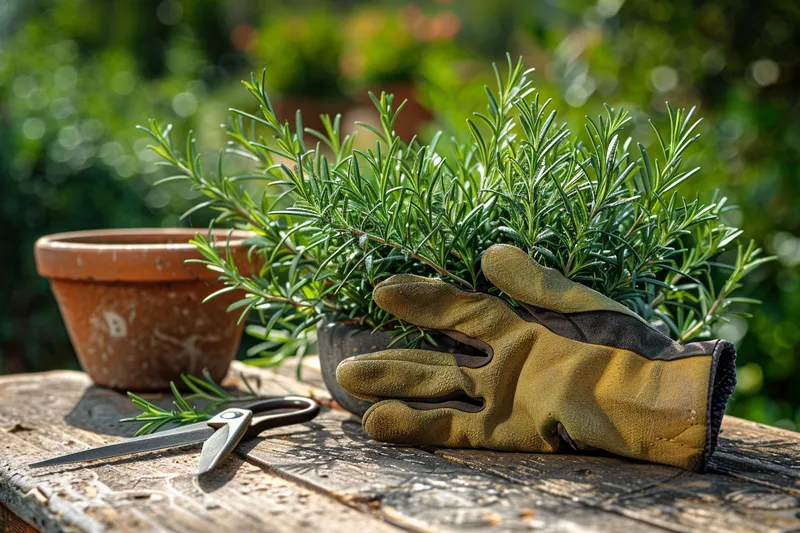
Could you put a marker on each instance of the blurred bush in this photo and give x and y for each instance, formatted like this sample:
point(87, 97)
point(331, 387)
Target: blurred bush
point(76, 76)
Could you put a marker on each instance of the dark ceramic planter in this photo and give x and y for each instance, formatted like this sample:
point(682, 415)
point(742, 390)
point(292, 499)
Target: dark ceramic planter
point(337, 341)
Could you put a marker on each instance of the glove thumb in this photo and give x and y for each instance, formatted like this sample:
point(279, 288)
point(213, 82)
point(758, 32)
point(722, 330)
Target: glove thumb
point(514, 272)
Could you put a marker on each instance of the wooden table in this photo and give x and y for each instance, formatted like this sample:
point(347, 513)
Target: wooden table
point(327, 476)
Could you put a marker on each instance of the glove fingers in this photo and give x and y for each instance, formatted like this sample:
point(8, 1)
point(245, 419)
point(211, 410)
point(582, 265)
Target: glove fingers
point(512, 271)
point(401, 373)
point(435, 304)
point(395, 421)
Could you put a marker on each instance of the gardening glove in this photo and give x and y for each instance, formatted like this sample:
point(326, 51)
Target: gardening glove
point(572, 369)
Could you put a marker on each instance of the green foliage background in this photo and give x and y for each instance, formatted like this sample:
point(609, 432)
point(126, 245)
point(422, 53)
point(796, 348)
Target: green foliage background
point(76, 76)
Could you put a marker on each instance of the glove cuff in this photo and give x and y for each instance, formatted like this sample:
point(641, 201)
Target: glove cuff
point(721, 384)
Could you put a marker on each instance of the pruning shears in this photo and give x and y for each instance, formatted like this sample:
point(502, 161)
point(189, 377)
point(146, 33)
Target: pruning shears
point(220, 435)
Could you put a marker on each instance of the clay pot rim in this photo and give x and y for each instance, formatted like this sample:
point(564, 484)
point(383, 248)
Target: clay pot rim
point(133, 254)
point(87, 239)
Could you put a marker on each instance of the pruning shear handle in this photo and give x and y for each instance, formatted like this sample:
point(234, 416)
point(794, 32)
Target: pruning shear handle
point(303, 410)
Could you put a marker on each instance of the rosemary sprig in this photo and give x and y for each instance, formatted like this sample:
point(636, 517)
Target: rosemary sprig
point(182, 412)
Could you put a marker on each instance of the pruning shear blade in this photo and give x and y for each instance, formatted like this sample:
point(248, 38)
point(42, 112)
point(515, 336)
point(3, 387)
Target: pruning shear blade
point(179, 436)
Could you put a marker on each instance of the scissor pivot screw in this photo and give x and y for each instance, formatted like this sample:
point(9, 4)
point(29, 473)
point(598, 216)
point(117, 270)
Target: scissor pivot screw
point(230, 415)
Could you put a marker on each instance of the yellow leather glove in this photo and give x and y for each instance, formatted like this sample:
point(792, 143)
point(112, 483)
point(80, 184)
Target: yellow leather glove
point(573, 369)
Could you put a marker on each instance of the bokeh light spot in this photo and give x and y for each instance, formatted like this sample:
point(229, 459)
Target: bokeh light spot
point(184, 104)
point(749, 378)
point(576, 95)
point(787, 246)
point(169, 12)
point(125, 165)
point(243, 36)
point(65, 78)
point(69, 137)
point(765, 72)
point(663, 78)
point(608, 8)
point(24, 86)
point(34, 128)
point(734, 330)
point(123, 83)
point(62, 108)
point(92, 129)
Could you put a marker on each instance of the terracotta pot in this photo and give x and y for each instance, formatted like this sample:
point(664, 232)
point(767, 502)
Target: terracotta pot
point(134, 310)
point(287, 105)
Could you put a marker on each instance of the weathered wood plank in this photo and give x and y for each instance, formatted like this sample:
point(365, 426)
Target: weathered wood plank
point(761, 454)
point(761, 467)
point(297, 478)
point(407, 486)
point(658, 495)
point(11, 523)
point(54, 413)
point(413, 488)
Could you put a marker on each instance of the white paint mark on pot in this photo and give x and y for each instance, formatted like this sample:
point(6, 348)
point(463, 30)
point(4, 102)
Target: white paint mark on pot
point(189, 347)
point(117, 328)
point(79, 260)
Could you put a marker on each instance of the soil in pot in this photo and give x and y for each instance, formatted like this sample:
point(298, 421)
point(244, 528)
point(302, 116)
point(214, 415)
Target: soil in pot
point(133, 309)
point(336, 341)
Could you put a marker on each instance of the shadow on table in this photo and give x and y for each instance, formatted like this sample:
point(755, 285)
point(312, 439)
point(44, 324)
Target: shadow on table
point(220, 476)
point(99, 410)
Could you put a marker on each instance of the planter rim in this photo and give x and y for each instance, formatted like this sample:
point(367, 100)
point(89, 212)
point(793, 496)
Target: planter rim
point(133, 254)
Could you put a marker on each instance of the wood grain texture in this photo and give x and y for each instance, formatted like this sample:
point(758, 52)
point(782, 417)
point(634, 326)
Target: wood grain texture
point(328, 476)
point(657, 495)
point(408, 487)
point(47, 414)
point(751, 485)
point(413, 488)
point(11, 523)
point(761, 454)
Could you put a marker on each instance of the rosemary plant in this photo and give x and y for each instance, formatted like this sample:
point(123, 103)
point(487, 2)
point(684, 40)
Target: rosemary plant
point(332, 220)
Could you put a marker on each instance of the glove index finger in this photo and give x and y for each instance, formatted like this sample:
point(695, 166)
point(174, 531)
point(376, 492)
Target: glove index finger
point(515, 273)
point(401, 373)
